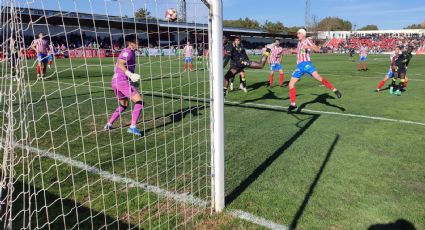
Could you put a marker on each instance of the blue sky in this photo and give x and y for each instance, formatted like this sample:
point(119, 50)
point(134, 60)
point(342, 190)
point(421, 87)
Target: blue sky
point(387, 14)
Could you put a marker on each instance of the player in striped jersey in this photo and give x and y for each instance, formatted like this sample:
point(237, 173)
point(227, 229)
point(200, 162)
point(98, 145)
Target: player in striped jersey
point(305, 66)
point(364, 50)
point(188, 56)
point(390, 74)
point(275, 62)
point(40, 46)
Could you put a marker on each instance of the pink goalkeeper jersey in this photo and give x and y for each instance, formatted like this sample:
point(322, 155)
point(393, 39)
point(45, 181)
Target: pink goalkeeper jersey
point(40, 45)
point(303, 55)
point(188, 51)
point(276, 55)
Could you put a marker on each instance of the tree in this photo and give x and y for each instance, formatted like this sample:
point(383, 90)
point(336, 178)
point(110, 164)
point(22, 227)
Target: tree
point(416, 26)
point(242, 23)
point(334, 24)
point(370, 27)
point(274, 27)
point(143, 13)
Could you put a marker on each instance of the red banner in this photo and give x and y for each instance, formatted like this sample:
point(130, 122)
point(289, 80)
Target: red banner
point(87, 53)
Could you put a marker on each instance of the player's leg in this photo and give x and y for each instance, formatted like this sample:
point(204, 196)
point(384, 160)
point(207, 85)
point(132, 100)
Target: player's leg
point(229, 75)
point(400, 88)
point(405, 82)
point(185, 65)
point(365, 64)
point(326, 83)
point(293, 92)
point(44, 65)
point(242, 85)
point(281, 77)
point(393, 86)
point(123, 104)
point(271, 76)
point(382, 83)
point(359, 66)
point(50, 61)
point(39, 63)
point(137, 99)
point(191, 64)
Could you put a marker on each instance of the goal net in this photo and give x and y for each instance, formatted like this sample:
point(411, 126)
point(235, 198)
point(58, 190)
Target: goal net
point(61, 84)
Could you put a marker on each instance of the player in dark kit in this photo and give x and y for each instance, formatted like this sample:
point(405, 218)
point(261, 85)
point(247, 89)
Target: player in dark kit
point(400, 71)
point(236, 54)
point(352, 52)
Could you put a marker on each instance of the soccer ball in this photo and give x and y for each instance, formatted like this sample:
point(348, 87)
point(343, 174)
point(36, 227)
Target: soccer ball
point(171, 15)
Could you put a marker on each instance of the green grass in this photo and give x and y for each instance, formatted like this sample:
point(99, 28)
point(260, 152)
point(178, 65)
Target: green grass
point(307, 170)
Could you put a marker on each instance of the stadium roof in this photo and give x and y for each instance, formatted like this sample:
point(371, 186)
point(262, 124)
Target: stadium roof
point(73, 18)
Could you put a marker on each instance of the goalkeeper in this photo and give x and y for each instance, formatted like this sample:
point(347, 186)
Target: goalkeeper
point(236, 54)
point(400, 70)
point(123, 86)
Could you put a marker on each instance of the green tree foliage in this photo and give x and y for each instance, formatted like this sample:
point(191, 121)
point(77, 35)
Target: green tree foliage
point(416, 26)
point(370, 27)
point(274, 27)
point(242, 23)
point(334, 24)
point(143, 13)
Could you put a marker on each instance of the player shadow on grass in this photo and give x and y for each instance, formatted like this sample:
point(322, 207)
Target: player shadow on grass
point(400, 224)
point(257, 85)
point(313, 185)
point(269, 95)
point(50, 216)
point(170, 118)
point(321, 99)
point(256, 173)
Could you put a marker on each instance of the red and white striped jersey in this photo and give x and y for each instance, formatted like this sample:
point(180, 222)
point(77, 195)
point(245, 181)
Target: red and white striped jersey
point(303, 55)
point(40, 45)
point(276, 55)
point(188, 51)
point(364, 50)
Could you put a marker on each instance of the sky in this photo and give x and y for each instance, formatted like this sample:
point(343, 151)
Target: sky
point(386, 14)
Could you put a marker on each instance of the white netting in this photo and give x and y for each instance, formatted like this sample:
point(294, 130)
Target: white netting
point(60, 169)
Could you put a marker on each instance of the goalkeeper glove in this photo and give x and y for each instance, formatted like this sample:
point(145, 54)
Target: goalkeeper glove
point(267, 52)
point(134, 77)
point(246, 63)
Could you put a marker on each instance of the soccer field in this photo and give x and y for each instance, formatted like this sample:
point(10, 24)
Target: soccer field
point(348, 163)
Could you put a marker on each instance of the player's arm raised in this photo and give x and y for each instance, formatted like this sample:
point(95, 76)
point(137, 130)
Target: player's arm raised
point(121, 64)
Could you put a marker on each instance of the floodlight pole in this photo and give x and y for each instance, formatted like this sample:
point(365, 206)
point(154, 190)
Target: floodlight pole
point(216, 103)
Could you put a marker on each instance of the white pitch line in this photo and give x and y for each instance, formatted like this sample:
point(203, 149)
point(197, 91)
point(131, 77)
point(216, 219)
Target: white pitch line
point(281, 107)
point(304, 110)
point(179, 197)
point(257, 220)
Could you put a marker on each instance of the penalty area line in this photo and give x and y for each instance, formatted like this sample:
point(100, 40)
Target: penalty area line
point(185, 198)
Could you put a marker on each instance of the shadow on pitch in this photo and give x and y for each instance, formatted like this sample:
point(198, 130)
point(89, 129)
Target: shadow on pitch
point(48, 210)
point(269, 95)
point(321, 99)
point(400, 224)
point(235, 193)
point(313, 185)
point(168, 119)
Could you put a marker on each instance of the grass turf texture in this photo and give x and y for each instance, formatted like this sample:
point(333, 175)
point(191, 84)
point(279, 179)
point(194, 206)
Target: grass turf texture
point(305, 170)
